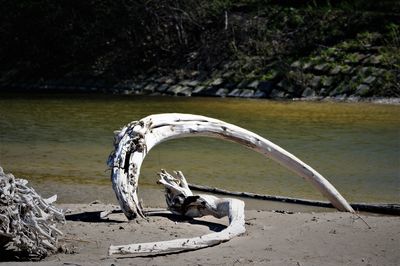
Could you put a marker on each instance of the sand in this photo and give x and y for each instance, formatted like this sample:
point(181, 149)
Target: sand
point(272, 238)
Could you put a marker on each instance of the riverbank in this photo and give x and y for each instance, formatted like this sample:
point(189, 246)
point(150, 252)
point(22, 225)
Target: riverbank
point(272, 237)
point(15, 89)
point(245, 49)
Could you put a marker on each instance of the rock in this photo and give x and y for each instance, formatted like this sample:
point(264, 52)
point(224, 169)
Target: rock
point(284, 84)
point(308, 92)
point(242, 84)
point(365, 70)
point(340, 97)
point(306, 66)
point(296, 64)
point(217, 82)
point(327, 81)
point(374, 59)
point(346, 69)
point(139, 86)
point(321, 67)
point(173, 90)
point(377, 71)
point(193, 83)
point(228, 65)
point(198, 89)
point(150, 87)
point(195, 73)
point(185, 91)
point(246, 93)
point(353, 99)
point(253, 85)
point(163, 87)
point(323, 92)
point(169, 81)
point(362, 90)
point(290, 88)
point(369, 80)
point(315, 82)
point(259, 94)
point(277, 94)
point(228, 74)
point(341, 88)
point(222, 92)
point(184, 82)
point(355, 58)
point(335, 70)
point(355, 79)
point(235, 93)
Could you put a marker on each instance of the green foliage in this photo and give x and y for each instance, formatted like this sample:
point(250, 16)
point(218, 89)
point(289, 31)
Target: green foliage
point(46, 39)
point(270, 75)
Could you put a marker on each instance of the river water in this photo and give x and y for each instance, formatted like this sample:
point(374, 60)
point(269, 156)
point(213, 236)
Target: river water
point(61, 142)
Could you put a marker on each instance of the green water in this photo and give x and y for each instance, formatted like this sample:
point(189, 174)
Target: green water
point(61, 143)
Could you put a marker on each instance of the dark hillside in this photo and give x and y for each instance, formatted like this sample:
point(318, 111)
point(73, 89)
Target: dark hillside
point(79, 42)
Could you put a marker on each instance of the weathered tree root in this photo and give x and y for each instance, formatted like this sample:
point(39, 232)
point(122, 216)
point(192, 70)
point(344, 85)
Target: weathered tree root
point(180, 200)
point(137, 138)
point(27, 221)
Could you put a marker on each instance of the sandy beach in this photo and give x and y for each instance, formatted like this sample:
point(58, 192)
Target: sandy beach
point(272, 238)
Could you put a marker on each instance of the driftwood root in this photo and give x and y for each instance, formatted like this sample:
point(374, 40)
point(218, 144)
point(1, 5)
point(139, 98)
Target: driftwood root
point(137, 138)
point(181, 201)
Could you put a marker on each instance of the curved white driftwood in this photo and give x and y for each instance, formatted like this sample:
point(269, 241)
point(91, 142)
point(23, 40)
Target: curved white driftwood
point(180, 200)
point(137, 138)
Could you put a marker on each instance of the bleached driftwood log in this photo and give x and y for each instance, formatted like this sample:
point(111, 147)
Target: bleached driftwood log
point(27, 221)
point(181, 201)
point(137, 138)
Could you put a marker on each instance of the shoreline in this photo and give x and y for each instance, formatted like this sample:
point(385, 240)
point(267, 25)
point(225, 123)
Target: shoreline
point(275, 238)
point(327, 99)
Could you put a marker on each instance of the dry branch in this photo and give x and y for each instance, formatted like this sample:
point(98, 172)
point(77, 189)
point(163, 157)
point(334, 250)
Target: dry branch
point(386, 208)
point(27, 221)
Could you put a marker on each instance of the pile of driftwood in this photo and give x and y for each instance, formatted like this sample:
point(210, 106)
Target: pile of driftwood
point(27, 221)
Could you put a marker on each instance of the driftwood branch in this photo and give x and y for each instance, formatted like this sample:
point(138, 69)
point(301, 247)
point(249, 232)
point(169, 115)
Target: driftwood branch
point(27, 221)
point(386, 208)
point(181, 201)
point(137, 138)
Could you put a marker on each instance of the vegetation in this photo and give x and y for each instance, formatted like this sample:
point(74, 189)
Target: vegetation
point(115, 40)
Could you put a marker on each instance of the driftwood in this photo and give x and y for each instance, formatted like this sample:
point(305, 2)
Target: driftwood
point(137, 138)
point(385, 208)
point(27, 221)
point(181, 201)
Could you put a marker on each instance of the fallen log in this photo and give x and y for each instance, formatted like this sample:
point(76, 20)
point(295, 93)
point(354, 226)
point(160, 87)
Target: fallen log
point(137, 138)
point(27, 221)
point(384, 208)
